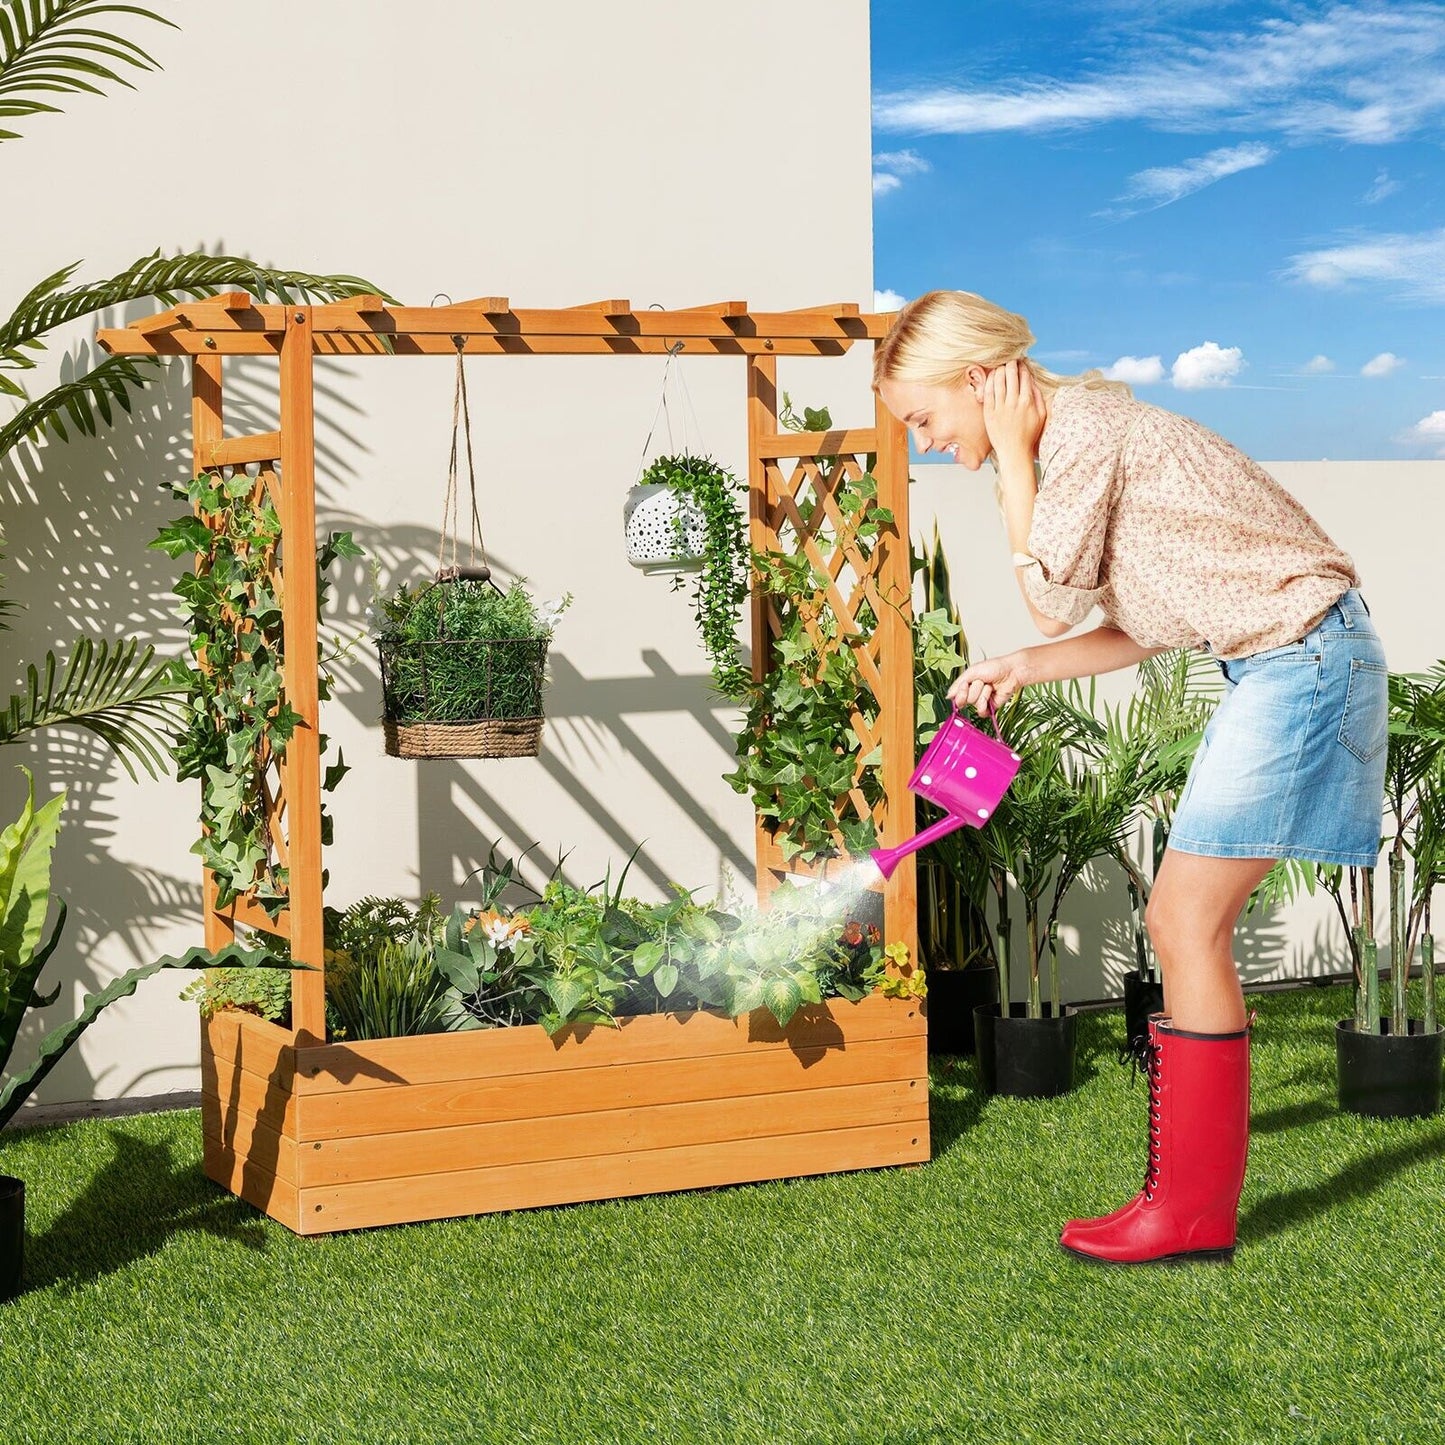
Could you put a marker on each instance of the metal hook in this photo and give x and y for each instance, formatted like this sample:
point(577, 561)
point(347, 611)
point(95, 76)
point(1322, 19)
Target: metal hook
point(677, 346)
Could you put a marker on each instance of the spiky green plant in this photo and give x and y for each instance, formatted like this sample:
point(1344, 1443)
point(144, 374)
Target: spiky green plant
point(26, 849)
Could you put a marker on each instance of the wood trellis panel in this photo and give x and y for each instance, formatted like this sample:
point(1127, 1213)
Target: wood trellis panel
point(782, 467)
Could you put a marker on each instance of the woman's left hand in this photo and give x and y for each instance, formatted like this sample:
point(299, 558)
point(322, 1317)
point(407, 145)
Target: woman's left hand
point(1013, 411)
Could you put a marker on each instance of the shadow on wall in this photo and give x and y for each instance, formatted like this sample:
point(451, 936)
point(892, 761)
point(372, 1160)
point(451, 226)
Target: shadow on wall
point(78, 519)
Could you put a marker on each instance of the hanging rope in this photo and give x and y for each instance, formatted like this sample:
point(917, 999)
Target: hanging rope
point(451, 506)
point(662, 409)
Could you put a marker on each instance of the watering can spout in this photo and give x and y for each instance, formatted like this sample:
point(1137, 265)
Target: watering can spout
point(888, 859)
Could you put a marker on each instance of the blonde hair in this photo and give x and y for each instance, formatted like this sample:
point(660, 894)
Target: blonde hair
point(940, 334)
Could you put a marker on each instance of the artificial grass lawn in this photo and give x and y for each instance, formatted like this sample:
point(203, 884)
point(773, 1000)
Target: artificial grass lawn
point(924, 1304)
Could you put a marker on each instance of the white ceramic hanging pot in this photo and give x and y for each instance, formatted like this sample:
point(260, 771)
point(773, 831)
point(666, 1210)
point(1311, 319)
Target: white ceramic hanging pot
point(653, 516)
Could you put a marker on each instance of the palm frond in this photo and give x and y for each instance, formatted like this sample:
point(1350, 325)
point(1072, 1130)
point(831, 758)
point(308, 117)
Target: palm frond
point(109, 385)
point(169, 279)
point(118, 692)
point(49, 47)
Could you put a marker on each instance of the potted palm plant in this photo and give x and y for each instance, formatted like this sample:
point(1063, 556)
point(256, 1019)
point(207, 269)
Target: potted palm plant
point(1389, 1064)
point(1083, 779)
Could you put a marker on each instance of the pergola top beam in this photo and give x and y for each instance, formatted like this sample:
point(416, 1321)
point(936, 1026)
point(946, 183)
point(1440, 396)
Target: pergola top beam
point(233, 324)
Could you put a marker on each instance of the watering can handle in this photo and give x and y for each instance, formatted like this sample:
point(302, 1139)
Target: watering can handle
point(992, 717)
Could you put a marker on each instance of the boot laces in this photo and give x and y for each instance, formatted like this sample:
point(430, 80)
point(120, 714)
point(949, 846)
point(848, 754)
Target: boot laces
point(1134, 1051)
point(1152, 1053)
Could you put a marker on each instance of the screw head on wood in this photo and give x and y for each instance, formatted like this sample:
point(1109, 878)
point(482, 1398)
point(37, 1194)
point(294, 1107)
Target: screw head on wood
point(210, 343)
point(300, 316)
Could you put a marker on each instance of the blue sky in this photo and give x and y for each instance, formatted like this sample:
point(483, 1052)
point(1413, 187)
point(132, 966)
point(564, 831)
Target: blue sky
point(1240, 207)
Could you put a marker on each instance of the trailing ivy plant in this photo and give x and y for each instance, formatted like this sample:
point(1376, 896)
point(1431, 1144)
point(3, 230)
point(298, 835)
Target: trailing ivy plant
point(239, 719)
point(798, 750)
point(721, 587)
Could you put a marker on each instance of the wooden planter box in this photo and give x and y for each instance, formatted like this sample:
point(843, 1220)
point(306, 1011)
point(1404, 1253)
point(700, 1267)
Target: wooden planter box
point(391, 1131)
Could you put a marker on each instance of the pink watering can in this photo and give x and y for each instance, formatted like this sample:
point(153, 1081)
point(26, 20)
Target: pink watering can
point(965, 772)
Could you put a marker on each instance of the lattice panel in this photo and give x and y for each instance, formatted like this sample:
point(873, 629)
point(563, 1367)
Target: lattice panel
point(805, 515)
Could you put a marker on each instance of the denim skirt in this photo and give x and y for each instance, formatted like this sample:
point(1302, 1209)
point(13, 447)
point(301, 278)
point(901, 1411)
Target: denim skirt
point(1292, 764)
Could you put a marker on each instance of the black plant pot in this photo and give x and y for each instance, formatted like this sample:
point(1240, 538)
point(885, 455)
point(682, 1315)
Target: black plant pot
point(1388, 1076)
point(953, 994)
point(12, 1235)
point(1025, 1058)
point(1142, 997)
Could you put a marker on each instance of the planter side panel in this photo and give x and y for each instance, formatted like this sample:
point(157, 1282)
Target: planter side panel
point(845, 1088)
point(248, 1112)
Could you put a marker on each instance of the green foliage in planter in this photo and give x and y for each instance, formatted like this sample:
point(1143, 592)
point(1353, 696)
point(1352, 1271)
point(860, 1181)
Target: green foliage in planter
point(263, 992)
point(370, 928)
point(464, 650)
point(391, 992)
point(721, 588)
point(238, 715)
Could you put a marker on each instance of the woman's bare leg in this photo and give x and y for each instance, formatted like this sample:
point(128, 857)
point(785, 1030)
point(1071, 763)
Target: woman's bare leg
point(1193, 908)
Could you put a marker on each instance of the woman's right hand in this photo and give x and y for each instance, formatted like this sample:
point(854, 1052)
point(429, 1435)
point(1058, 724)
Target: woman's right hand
point(990, 683)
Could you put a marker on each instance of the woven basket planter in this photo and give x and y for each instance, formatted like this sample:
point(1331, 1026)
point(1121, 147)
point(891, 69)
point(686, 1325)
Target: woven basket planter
point(495, 713)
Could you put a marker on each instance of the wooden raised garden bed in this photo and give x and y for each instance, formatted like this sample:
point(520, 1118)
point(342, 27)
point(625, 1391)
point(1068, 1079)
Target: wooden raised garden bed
point(348, 1135)
point(326, 1137)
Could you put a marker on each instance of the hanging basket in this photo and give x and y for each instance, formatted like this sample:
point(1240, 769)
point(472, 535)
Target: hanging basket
point(448, 694)
point(666, 530)
point(460, 697)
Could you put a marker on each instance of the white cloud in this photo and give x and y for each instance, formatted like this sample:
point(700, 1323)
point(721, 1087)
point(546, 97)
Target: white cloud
point(1136, 370)
point(903, 163)
point(1205, 366)
point(889, 168)
point(888, 301)
point(1318, 366)
point(1429, 431)
point(1162, 185)
point(1382, 187)
point(1366, 73)
point(1411, 264)
point(1381, 365)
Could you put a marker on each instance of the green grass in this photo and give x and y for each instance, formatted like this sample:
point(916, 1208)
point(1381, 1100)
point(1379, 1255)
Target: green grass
point(928, 1304)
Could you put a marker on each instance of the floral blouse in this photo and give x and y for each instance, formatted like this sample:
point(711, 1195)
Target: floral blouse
point(1177, 536)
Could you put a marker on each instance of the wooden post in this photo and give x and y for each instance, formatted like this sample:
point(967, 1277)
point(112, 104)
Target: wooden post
point(762, 535)
point(207, 428)
point(896, 706)
point(301, 762)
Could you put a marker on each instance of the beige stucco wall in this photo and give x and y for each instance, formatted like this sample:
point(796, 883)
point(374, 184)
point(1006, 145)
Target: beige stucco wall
point(555, 152)
point(558, 153)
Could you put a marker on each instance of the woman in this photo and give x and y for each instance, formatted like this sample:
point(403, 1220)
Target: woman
point(1181, 541)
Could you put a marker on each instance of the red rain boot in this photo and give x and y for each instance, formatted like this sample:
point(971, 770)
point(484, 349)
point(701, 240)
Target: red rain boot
point(1198, 1140)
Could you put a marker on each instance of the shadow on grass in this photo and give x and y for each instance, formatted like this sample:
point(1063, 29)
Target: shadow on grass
point(127, 1212)
point(1365, 1176)
point(1293, 1116)
point(955, 1100)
